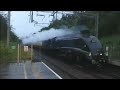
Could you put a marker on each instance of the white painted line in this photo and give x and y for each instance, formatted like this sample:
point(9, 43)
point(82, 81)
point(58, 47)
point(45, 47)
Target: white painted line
point(25, 73)
point(52, 71)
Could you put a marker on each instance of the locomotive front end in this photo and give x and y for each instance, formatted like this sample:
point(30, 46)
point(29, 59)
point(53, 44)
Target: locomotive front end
point(96, 53)
point(98, 58)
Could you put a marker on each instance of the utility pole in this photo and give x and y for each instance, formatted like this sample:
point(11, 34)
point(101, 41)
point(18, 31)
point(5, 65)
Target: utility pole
point(8, 30)
point(96, 16)
point(56, 14)
point(31, 16)
point(97, 25)
point(53, 16)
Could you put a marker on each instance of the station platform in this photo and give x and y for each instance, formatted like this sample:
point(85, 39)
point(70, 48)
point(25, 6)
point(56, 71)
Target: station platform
point(115, 62)
point(31, 70)
point(42, 71)
point(27, 70)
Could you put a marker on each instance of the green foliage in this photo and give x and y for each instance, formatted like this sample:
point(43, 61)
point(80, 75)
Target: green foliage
point(115, 46)
point(72, 20)
point(3, 31)
point(25, 55)
point(6, 53)
point(113, 38)
point(13, 37)
point(109, 22)
point(3, 28)
point(10, 54)
point(45, 28)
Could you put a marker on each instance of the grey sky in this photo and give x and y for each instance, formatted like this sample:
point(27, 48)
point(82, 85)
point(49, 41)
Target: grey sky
point(20, 21)
point(22, 26)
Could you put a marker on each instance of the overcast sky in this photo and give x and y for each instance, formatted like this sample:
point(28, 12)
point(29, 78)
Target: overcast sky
point(22, 26)
point(20, 21)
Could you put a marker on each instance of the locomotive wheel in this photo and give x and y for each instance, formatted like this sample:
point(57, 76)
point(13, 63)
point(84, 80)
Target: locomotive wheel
point(70, 58)
point(78, 58)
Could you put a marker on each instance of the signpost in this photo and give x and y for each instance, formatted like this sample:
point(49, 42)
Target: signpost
point(25, 48)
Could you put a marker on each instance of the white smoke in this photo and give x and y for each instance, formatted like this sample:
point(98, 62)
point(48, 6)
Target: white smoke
point(45, 35)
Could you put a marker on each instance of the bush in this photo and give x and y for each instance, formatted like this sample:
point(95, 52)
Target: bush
point(9, 54)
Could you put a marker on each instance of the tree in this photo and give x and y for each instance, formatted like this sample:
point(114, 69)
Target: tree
point(109, 21)
point(3, 30)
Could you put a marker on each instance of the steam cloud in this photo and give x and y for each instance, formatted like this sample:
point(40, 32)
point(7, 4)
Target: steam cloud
point(45, 35)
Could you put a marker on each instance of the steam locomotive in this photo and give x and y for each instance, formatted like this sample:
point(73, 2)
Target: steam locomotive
point(80, 46)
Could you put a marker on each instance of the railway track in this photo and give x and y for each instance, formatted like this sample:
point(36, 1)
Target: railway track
point(102, 74)
point(62, 70)
point(65, 70)
point(108, 72)
point(76, 71)
point(111, 70)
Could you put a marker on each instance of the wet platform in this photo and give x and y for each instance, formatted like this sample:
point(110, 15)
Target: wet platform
point(27, 70)
point(115, 62)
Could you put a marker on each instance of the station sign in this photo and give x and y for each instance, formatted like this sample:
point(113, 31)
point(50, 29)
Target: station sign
point(25, 48)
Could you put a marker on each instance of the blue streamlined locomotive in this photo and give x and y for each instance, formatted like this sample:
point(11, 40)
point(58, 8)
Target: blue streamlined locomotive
point(80, 46)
